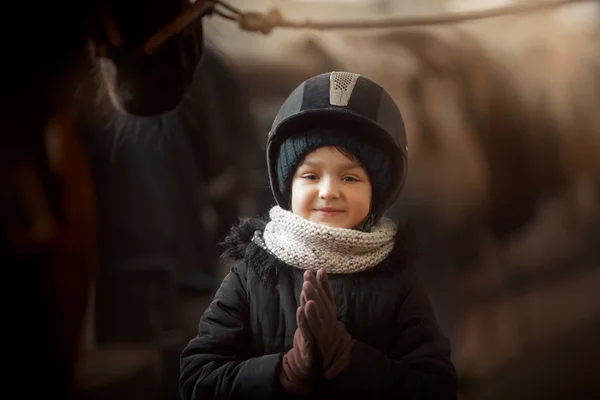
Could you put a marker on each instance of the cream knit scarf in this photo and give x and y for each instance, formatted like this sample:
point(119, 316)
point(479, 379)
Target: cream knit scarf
point(308, 245)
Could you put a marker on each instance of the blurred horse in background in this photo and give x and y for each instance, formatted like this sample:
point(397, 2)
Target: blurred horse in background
point(504, 171)
point(85, 74)
point(173, 150)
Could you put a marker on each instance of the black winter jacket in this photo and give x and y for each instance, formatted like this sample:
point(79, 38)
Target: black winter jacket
point(244, 333)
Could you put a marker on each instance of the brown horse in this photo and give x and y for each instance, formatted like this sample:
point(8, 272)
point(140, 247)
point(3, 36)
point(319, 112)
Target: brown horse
point(49, 200)
point(172, 172)
point(172, 149)
point(519, 196)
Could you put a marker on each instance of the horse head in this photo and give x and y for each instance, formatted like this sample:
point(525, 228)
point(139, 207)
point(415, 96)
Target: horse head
point(143, 53)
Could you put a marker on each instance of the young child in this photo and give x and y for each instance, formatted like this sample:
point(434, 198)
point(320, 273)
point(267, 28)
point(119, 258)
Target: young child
point(362, 325)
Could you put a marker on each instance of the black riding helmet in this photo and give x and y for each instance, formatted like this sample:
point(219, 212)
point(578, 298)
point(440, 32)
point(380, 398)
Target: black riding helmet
point(347, 100)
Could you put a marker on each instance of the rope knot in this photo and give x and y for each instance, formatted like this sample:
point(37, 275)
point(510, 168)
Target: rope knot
point(261, 22)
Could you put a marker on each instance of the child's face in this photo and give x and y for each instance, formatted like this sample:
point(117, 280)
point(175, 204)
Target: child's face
point(331, 189)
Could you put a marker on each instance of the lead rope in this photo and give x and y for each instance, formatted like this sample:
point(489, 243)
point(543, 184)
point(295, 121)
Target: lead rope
point(264, 23)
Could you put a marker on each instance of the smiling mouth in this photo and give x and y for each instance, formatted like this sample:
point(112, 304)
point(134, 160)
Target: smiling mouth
point(329, 211)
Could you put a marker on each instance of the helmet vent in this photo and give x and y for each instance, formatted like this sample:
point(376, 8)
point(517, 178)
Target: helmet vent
point(341, 85)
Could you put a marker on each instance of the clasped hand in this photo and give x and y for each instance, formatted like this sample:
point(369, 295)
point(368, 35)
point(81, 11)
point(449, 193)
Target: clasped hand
point(318, 330)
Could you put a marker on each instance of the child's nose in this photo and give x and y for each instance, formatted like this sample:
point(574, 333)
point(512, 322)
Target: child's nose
point(328, 189)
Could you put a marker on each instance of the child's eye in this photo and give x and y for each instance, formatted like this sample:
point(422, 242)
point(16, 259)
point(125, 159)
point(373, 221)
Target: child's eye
point(310, 176)
point(351, 179)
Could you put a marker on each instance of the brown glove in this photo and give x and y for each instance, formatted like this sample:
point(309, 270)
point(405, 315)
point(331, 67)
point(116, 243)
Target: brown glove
point(297, 375)
point(333, 341)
